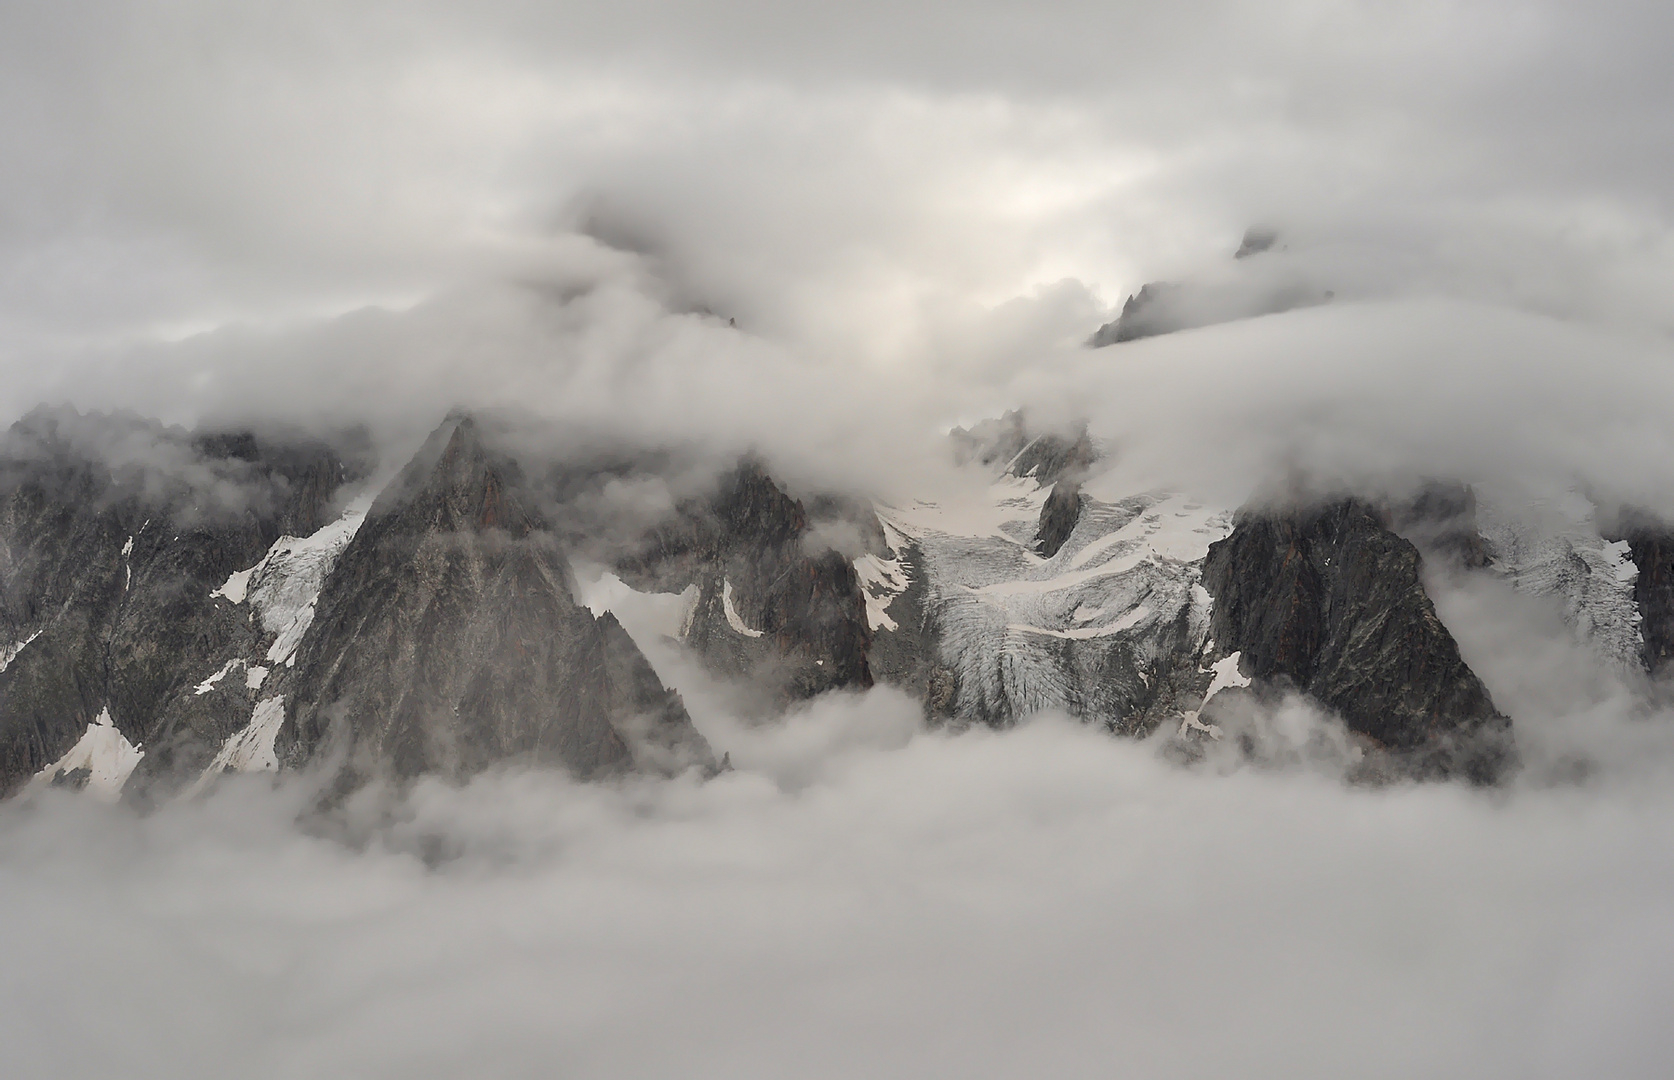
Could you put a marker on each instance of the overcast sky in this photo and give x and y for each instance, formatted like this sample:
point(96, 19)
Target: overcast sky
point(174, 167)
point(916, 213)
point(322, 212)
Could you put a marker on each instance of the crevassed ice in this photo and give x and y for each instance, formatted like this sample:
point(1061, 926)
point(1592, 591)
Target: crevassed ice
point(104, 752)
point(285, 585)
point(1552, 547)
point(1023, 632)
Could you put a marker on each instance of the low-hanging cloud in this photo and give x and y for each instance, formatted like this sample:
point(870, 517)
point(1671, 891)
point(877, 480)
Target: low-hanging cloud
point(826, 235)
point(987, 904)
point(860, 895)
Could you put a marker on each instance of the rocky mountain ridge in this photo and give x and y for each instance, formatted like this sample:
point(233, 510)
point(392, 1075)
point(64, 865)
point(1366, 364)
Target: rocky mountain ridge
point(228, 602)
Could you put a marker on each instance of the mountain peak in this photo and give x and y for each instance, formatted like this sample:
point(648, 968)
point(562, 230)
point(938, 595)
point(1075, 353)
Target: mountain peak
point(457, 483)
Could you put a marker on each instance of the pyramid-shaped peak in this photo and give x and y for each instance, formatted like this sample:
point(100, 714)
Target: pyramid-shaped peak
point(457, 482)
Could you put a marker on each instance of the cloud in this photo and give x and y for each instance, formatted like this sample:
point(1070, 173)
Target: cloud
point(917, 904)
point(355, 212)
point(351, 212)
point(844, 177)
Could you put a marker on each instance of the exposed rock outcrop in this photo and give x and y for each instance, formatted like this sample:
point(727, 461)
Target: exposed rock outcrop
point(448, 638)
point(1146, 313)
point(1653, 590)
point(774, 605)
point(114, 532)
point(180, 605)
point(1256, 286)
point(1651, 546)
point(1058, 516)
point(1328, 600)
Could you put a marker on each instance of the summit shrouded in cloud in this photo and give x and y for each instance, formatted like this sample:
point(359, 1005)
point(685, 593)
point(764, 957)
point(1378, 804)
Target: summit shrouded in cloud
point(677, 539)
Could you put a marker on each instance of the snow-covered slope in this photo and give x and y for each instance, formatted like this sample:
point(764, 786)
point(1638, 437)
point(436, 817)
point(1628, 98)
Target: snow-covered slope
point(283, 589)
point(250, 749)
point(1096, 630)
point(284, 586)
point(106, 755)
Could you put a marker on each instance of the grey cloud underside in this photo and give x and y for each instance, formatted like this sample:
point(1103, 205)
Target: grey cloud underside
point(223, 616)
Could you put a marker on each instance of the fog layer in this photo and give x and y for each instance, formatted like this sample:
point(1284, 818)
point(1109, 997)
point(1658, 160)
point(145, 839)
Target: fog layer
point(1046, 900)
point(327, 214)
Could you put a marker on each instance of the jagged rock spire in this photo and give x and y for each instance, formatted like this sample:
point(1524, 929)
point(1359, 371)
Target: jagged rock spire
point(448, 638)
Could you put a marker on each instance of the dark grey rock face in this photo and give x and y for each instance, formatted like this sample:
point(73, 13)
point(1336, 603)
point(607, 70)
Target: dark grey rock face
point(1653, 591)
point(773, 606)
point(908, 654)
point(1162, 307)
point(1440, 519)
point(1328, 600)
point(990, 442)
point(1257, 239)
point(1651, 545)
point(447, 638)
point(1053, 457)
point(114, 531)
point(1021, 451)
point(1146, 313)
point(1058, 516)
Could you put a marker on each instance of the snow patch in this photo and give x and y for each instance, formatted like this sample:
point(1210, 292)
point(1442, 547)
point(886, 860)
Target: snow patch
point(209, 684)
point(1226, 674)
point(254, 677)
point(250, 749)
point(9, 653)
point(285, 585)
point(1190, 722)
point(881, 581)
point(104, 752)
point(733, 618)
point(237, 582)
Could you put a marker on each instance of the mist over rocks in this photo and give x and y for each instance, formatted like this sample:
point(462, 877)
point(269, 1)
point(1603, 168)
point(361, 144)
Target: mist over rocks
point(439, 627)
point(1328, 600)
point(447, 639)
point(769, 607)
point(116, 530)
point(1255, 287)
point(705, 710)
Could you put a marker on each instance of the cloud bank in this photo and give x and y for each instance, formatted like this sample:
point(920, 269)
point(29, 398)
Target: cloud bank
point(362, 212)
point(1046, 899)
point(915, 218)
